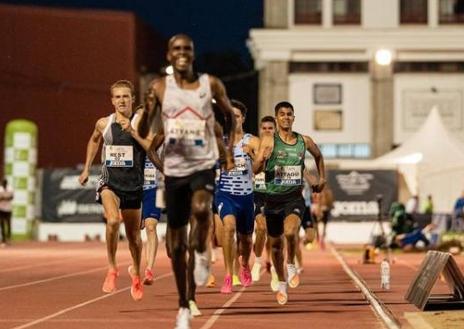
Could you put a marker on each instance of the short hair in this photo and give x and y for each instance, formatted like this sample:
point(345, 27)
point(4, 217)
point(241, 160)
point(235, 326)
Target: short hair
point(179, 36)
point(239, 105)
point(281, 105)
point(123, 84)
point(268, 118)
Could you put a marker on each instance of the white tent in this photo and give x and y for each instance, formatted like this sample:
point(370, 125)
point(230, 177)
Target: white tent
point(432, 162)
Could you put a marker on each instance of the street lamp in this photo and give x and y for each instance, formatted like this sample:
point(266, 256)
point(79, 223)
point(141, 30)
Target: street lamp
point(383, 57)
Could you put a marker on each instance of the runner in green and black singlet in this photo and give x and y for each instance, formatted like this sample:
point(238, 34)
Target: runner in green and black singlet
point(282, 156)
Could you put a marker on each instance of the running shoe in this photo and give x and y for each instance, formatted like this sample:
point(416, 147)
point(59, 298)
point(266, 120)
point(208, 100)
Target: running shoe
point(211, 281)
point(202, 268)
point(274, 280)
point(245, 275)
point(227, 285)
point(148, 279)
point(256, 272)
point(236, 280)
point(293, 277)
point(183, 318)
point(309, 246)
point(194, 311)
point(109, 285)
point(136, 286)
point(281, 295)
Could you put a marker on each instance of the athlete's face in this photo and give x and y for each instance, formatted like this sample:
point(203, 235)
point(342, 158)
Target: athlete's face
point(239, 118)
point(267, 127)
point(181, 54)
point(122, 100)
point(285, 118)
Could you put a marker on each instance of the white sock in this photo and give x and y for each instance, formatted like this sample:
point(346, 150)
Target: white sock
point(258, 260)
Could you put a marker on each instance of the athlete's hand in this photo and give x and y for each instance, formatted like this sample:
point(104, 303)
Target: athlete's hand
point(246, 149)
point(84, 177)
point(317, 188)
point(126, 125)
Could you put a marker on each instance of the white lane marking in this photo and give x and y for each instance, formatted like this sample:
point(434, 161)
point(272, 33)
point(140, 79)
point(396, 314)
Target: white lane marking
point(213, 318)
point(72, 308)
point(384, 316)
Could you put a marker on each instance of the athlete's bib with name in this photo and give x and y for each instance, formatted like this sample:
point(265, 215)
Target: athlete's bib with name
point(149, 175)
point(287, 175)
point(119, 156)
point(187, 132)
point(240, 167)
point(260, 182)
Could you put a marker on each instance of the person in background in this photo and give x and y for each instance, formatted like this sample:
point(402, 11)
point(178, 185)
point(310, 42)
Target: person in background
point(6, 198)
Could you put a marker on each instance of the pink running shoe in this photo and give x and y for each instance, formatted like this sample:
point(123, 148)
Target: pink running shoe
point(109, 285)
point(227, 285)
point(148, 279)
point(136, 286)
point(245, 276)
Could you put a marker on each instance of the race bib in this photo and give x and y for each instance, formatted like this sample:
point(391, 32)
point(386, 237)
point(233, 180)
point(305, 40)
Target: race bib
point(186, 131)
point(149, 174)
point(287, 175)
point(240, 167)
point(260, 182)
point(119, 156)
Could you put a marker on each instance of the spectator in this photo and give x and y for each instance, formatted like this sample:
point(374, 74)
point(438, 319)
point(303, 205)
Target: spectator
point(458, 214)
point(428, 205)
point(412, 206)
point(6, 196)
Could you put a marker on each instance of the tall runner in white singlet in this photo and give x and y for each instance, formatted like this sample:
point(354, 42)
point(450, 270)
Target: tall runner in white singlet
point(120, 186)
point(185, 101)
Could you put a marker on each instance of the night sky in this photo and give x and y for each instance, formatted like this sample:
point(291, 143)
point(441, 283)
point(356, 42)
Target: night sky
point(216, 26)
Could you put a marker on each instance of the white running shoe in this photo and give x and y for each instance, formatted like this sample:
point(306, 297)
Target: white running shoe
point(183, 319)
point(281, 295)
point(202, 268)
point(293, 278)
point(274, 280)
point(256, 272)
point(194, 310)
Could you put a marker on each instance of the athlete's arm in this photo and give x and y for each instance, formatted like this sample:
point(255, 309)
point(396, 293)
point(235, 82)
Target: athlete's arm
point(127, 126)
point(152, 154)
point(92, 149)
point(219, 94)
point(252, 147)
point(266, 146)
point(151, 108)
point(319, 159)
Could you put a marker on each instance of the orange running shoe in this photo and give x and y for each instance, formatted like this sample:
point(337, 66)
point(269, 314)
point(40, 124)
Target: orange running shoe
point(109, 285)
point(148, 279)
point(211, 283)
point(282, 296)
point(136, 287)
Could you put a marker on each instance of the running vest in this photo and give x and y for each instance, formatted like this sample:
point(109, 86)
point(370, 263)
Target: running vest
point(284, 168)
point(149, 174)
point(122, 158)
point(188, 118)
point(239, 180)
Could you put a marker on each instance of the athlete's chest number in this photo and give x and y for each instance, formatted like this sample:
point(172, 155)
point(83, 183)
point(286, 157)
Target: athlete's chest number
point(119, 156)
point(287, 175)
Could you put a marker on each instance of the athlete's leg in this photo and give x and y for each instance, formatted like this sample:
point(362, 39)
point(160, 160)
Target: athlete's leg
point(260, 235)
point(228, 243)
point(110, 202)
point(291, 228)
point(152, 241)
point(177, 244)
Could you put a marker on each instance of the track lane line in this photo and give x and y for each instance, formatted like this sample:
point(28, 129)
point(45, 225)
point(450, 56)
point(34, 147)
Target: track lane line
point(59, 277)
point(72, 308)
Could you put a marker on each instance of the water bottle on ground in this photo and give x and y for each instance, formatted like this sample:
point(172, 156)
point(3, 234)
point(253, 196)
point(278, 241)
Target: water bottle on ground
point(385, 275)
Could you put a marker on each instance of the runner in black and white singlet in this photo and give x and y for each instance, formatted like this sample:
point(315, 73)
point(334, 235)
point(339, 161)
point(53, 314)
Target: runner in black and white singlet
point(267, 125)
point(234, 202)
point(185, 102)
point(120, 185)
point(282, 157)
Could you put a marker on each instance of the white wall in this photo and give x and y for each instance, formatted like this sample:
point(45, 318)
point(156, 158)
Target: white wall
point(414, 98)
point(356, 99)
point(380, 13)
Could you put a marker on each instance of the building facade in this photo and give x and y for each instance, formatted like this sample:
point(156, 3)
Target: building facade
point(362, 74)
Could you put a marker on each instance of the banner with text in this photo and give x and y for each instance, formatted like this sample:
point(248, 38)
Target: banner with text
point(357, 193)
point(65, 200)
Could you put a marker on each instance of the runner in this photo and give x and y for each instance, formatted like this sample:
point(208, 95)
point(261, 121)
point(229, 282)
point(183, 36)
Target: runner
point(234, 202)
point(282, 157)
point(267, 125)
point(119, 188)
point(190, 154)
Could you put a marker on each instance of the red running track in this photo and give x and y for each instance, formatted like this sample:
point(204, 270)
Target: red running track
point(58, 285)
